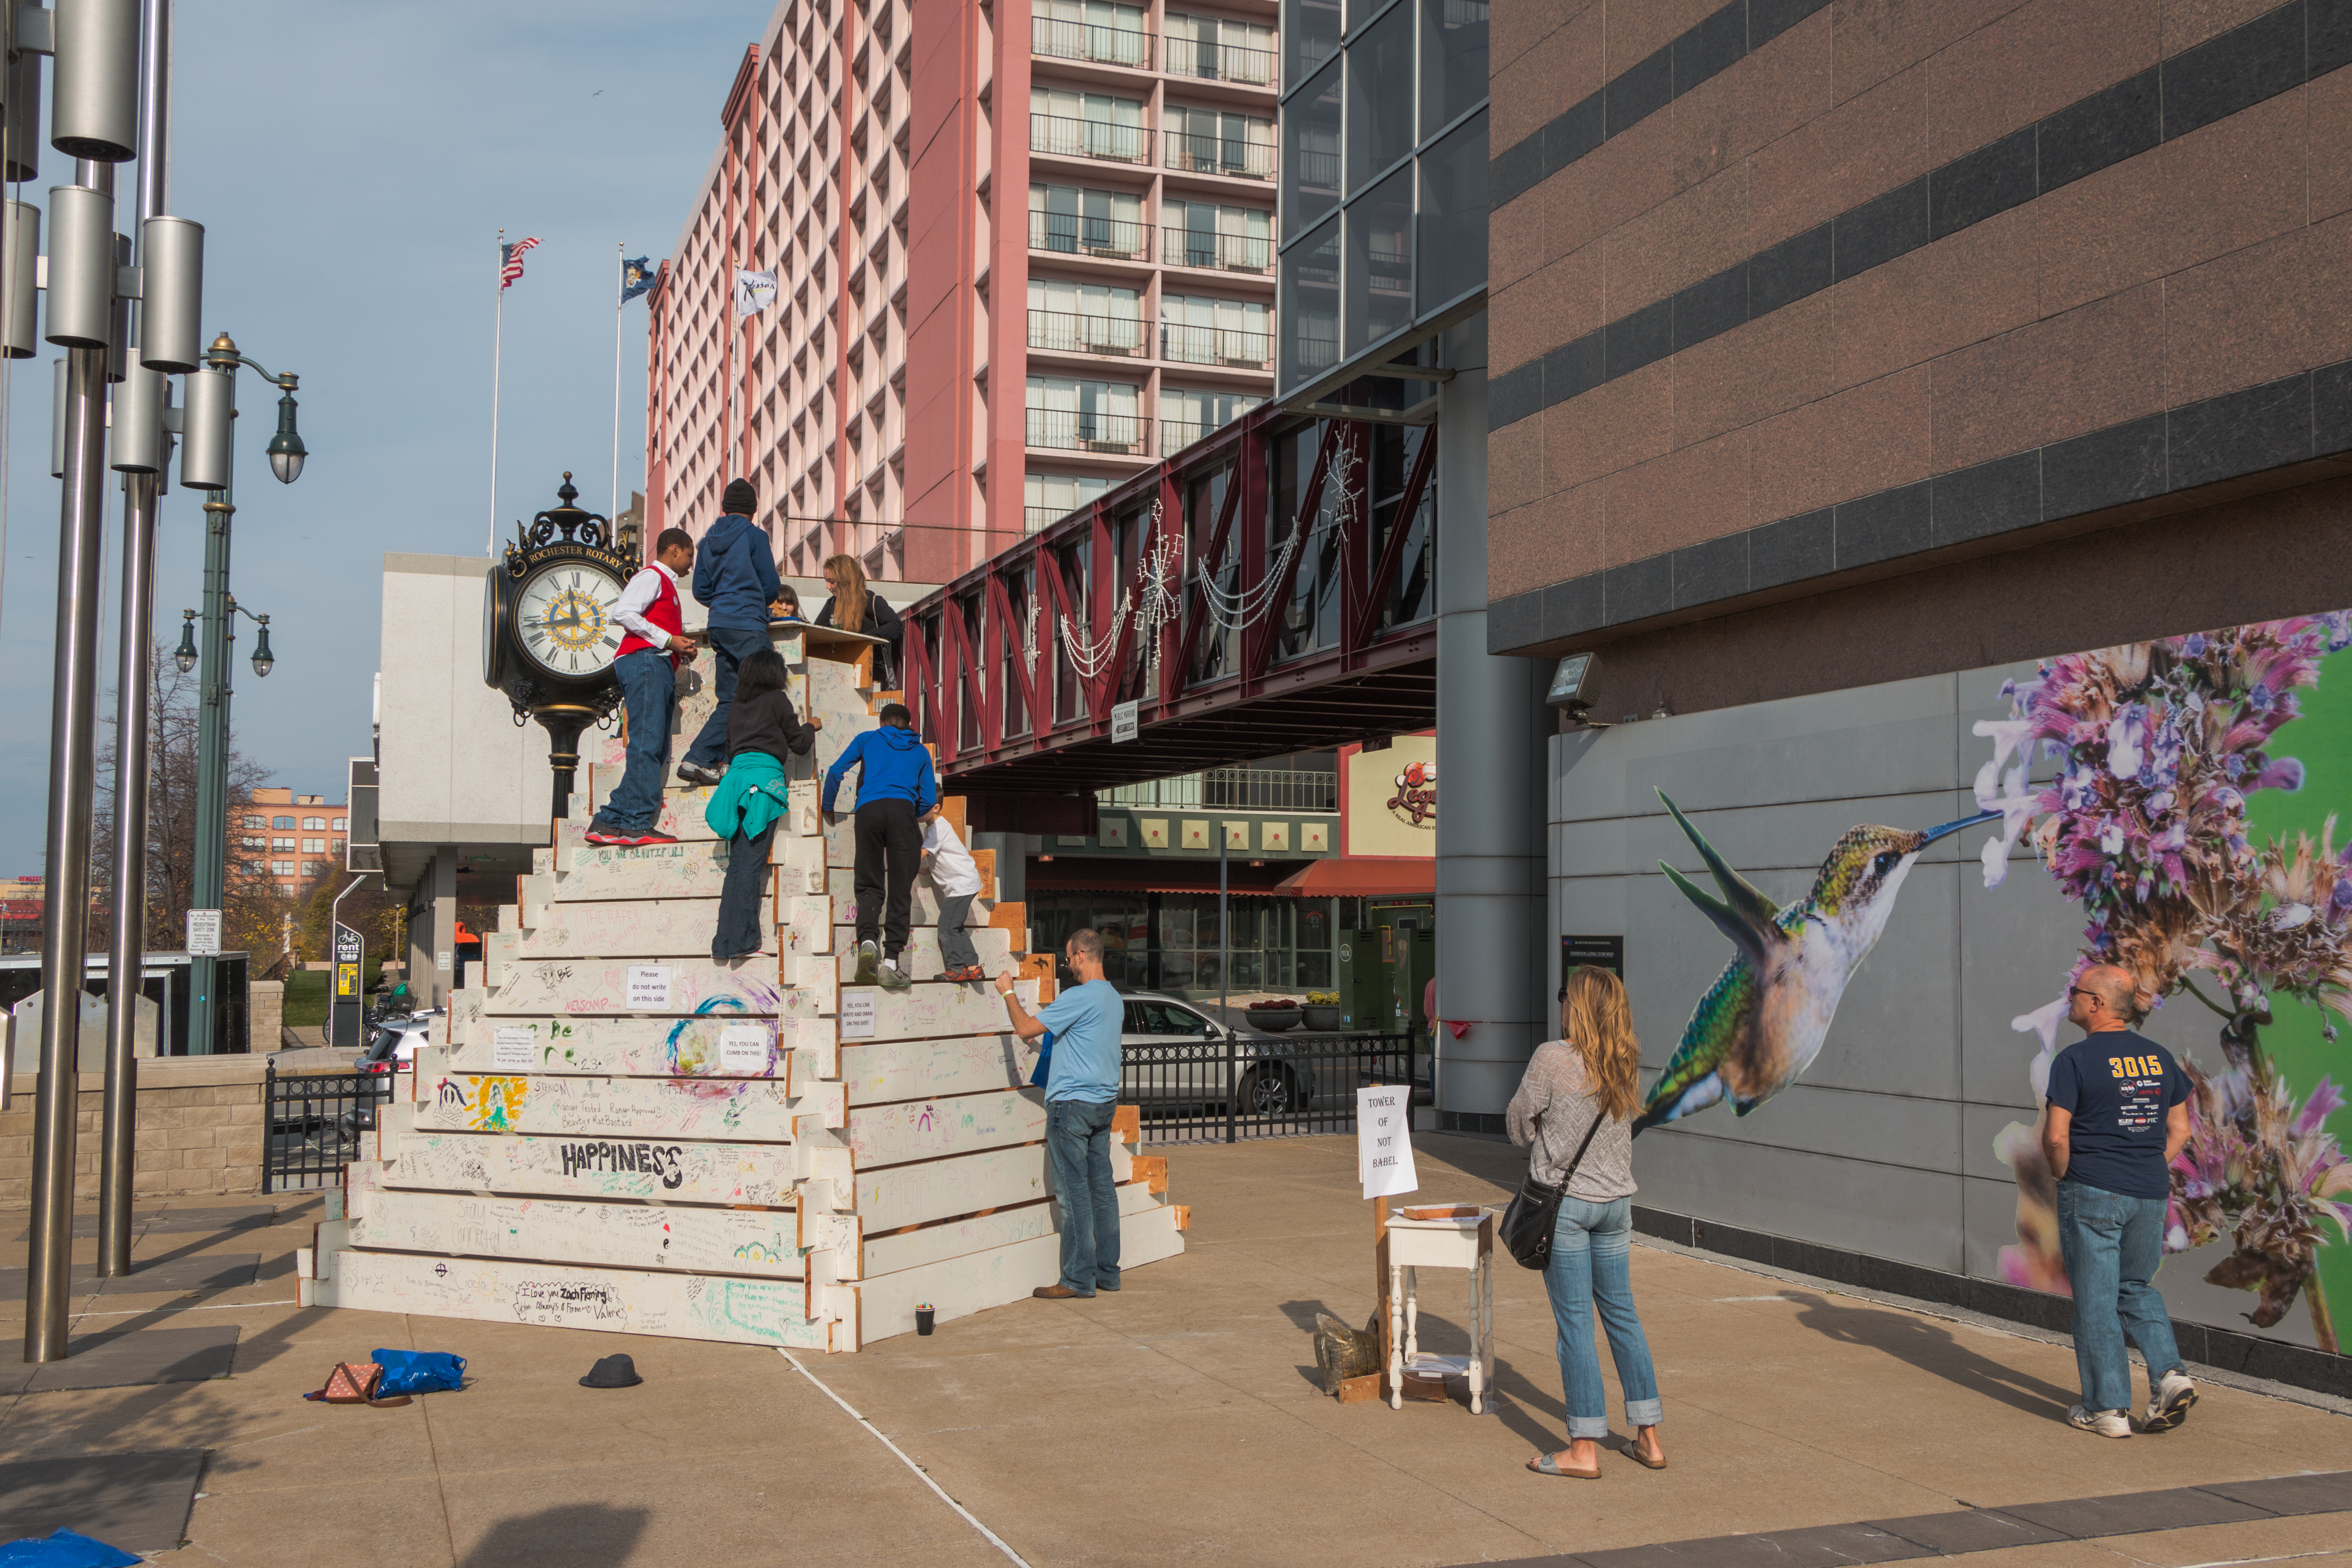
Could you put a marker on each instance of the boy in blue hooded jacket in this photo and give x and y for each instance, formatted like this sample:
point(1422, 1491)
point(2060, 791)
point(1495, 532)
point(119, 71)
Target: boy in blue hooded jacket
point(735, 577)
point(894, 788)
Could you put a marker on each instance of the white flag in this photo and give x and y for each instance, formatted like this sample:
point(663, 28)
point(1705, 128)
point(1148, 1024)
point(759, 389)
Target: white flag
point(754, 292)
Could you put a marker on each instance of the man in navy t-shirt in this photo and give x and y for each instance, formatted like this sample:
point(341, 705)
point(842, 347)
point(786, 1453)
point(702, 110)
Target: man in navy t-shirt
point(2119, 1113)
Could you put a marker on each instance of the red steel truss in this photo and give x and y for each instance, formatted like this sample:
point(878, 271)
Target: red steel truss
point(1024, 730)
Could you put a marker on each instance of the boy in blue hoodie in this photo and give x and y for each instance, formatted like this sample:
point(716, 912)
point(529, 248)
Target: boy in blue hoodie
point(735, 577)
point(894, 788)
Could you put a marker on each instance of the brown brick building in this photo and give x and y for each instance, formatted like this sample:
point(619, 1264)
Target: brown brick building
point(1831, 340)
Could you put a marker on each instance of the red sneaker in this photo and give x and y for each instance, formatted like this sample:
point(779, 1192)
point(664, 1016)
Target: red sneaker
point(600, 836)
point(652, 837)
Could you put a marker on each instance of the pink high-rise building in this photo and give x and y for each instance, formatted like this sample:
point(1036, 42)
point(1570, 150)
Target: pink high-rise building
point(1019, 250)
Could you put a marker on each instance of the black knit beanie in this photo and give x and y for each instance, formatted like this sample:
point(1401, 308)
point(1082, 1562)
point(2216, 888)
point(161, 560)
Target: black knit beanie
point(740, 499)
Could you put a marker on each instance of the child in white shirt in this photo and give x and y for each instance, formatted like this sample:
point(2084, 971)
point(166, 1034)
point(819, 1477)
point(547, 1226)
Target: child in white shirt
point(956, 880)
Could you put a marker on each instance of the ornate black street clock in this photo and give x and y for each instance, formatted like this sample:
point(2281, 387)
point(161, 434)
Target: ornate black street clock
point(548, 633)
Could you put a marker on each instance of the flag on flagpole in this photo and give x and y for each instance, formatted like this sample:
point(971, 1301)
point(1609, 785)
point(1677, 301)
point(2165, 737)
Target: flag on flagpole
point(754, 292)
point(636, 276)
point(510, 261)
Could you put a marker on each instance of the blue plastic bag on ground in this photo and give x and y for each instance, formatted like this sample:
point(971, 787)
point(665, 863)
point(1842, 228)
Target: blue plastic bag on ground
point(419, 1371)
point(64, 1548)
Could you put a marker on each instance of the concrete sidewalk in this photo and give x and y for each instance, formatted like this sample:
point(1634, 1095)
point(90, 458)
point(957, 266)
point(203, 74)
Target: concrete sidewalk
point(1178, 1420)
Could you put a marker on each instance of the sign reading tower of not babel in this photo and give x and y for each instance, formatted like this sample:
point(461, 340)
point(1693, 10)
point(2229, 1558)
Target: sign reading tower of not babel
point(612, 1131)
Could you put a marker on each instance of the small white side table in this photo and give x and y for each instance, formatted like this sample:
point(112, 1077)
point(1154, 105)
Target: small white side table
point(1466, 1243)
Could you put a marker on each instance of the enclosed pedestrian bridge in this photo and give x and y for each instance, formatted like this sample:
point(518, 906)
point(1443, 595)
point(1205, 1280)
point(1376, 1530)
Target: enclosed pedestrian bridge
point(1270, 588)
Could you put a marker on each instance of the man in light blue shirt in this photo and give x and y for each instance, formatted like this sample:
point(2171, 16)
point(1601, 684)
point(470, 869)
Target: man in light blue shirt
point(1081, 1098)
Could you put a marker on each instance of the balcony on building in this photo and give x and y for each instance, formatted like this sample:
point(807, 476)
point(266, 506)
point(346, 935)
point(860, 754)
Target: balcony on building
point(1094, 33)
point(1233, 789)
point(1194, 141)
point(1090, 417)
point(1103, 130)
point(1233, 348)
point(1103, 239)
point(1061, 332)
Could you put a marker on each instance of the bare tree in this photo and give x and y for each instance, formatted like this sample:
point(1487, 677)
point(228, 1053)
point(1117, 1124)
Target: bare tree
point(253, 916)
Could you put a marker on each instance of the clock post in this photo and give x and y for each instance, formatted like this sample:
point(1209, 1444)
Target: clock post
point(548, 635)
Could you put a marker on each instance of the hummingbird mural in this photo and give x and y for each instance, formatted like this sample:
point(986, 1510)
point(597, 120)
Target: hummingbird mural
point(1763, 1020)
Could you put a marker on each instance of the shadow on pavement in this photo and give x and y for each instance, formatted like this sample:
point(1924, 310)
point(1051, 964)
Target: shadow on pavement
point(1931, 1348)
point(575, 1535)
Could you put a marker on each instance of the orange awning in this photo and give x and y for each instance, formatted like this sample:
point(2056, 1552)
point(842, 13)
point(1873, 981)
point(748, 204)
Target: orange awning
point(1363, 877)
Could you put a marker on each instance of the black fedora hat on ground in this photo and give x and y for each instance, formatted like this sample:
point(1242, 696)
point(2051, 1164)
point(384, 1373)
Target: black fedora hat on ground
point(612, 1372)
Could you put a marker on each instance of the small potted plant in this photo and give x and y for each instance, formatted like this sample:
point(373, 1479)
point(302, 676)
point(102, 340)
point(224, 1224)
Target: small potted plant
point(1322, 1010)
point(1274, 1015)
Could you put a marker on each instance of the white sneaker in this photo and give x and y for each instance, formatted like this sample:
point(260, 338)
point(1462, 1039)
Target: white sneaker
point(2104, 1423)
point(2174, 1394)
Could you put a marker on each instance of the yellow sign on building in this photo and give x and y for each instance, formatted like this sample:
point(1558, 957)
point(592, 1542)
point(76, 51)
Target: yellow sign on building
point(1391, 797)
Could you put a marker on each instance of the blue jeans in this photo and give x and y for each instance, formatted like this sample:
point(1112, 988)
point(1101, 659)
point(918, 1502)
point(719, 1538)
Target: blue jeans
point(747, 886)
point(2112, 1244)
point(1078, 1142)
point(647, 688)
point(730, 645)
point(1589, 1268)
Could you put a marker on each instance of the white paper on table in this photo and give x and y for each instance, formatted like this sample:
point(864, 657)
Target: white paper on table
point(1384, 1141)
point(743, 1047)
point(649, 987)
point(510, 1049)
point(857, 1014)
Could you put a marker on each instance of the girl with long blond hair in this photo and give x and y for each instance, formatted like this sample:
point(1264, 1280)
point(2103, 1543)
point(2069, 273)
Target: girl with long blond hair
point(1591, 1076)
point(854, 607)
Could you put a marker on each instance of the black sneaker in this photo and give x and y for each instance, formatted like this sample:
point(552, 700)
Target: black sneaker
point(894, 978)
point(607, 836)
point(870, 963)
point(697, 775)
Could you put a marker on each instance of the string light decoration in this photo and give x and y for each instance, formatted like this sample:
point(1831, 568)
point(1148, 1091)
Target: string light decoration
point(1232, 610)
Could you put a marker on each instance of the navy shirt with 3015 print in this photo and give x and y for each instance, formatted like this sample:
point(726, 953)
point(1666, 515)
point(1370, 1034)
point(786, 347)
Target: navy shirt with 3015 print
point(2118, 1087)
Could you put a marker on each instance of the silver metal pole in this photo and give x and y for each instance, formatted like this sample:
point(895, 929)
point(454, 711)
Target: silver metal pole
point(73, 783)
point(119, 1134)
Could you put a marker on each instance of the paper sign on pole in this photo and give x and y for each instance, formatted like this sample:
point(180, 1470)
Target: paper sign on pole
point(203, 931)
point(510, 1049)
point(743, 1047)
point(1384, 1141)
point(858, 1013)
point(649, 987)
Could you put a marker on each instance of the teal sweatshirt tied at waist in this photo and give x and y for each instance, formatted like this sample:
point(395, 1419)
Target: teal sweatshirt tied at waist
point(750, 798)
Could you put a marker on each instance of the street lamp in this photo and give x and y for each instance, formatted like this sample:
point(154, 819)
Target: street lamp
point(286, 448)
point(185, 655)
point(206, 463)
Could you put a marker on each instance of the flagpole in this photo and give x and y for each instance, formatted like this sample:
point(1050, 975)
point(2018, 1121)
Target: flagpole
point(498, 343)
point(620, 270)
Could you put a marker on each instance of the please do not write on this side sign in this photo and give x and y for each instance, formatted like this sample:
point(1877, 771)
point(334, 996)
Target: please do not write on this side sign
point(649, 987)
point(1384, 1141)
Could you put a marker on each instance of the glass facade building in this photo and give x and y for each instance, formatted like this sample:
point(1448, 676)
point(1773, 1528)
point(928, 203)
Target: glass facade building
point(1383, 179)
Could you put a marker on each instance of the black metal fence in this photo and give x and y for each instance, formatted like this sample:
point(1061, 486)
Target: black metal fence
point(315, 1121)
point(1261, 1086)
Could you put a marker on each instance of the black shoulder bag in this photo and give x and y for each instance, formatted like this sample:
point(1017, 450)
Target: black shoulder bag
point(1527, 1224)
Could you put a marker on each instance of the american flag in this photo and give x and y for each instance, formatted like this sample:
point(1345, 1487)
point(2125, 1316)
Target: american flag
point(510, 261)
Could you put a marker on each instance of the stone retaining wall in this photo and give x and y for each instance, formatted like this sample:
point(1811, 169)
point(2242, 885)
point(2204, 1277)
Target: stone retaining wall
point(200, 1130)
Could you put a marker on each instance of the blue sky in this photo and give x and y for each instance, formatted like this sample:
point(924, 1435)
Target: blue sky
point(352, 164)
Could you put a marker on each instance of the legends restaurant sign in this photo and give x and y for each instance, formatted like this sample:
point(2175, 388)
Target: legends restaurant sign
point(1415, 800)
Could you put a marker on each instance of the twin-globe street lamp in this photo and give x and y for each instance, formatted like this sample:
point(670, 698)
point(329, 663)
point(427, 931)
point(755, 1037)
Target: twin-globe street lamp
point(207, 463)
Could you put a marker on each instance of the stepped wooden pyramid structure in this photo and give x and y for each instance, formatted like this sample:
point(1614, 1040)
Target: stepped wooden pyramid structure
point(615, 1133)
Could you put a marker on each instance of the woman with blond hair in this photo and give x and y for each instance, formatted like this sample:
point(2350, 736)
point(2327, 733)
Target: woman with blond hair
point(1581, 1093)
point(854, 607)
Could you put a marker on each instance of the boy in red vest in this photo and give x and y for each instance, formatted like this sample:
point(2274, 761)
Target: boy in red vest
point(646, 665)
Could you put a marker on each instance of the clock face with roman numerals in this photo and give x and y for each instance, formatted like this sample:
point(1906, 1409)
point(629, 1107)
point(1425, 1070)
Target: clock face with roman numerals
point(564, 619)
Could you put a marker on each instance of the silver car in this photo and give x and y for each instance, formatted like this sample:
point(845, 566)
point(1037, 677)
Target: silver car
point(1171, 1052)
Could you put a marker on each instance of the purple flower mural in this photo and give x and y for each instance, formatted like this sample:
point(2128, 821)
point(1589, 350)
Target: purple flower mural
point(2157, 747)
